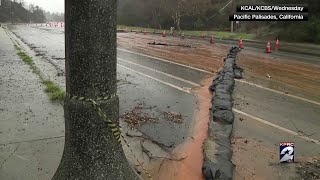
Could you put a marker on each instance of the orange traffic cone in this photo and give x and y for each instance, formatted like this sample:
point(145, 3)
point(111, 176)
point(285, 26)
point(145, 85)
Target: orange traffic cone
point(240, 43)
point(277, 44)
point(268, 47)
point(164, 34)
point(211, 40)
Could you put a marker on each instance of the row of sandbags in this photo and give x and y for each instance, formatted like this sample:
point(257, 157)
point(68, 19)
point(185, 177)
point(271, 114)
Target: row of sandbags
point(217, 147)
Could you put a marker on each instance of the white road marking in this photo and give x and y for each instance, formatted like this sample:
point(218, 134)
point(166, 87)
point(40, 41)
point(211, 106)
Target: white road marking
point(279, 92)
point(21, 157)
point(235, 110)
point(190, 67)
point(186, 90)
point(241, 81)
point(277, 127)
point(160, 72)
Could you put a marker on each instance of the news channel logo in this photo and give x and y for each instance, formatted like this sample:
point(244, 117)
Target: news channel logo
point(286, 152)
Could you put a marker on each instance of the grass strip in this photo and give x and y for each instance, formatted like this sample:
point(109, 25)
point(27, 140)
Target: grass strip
point(54, 92)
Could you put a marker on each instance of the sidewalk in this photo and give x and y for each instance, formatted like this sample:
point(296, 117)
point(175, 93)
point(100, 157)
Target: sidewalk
point(31, 127)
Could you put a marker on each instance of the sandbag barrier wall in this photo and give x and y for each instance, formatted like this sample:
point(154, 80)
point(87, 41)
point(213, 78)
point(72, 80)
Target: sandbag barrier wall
point(217, 147)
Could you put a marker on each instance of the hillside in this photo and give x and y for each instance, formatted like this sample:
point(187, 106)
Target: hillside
point(214, 15)
point(15, 12)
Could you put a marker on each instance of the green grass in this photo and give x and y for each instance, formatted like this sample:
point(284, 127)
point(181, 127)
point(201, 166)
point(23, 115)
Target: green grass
point(35, 71)
point(25, 58)
point(53, 90)
point(17, 47)
point(217, 34)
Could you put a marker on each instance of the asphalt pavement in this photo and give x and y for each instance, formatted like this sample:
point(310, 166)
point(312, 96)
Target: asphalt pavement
point(266, 115)
point(159, 84)
point(141, 81)
point(305, 53)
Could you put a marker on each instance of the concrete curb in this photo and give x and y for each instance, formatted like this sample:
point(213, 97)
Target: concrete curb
point(217, 147)
point(15, 39)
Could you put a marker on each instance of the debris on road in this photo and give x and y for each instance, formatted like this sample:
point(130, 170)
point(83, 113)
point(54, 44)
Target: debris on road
point(173, 117)
point(123, 81)
point(55, 58)
point(309, 170)
point(167, 44)
point(268, 76)
point(203, 56)
point(40, 54)
point(136, 117)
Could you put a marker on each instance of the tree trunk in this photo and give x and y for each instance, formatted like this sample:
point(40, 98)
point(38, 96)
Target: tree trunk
point(177, 20)
point(158, 19)
point(90, 151)
point(178, 24)
point(154, 19)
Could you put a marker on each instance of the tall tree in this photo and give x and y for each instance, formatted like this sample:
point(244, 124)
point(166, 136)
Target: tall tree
point(180, 8)
point(155, 10)
point(91, 151)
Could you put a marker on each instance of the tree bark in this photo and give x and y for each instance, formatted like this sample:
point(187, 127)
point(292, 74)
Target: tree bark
point(90, 150)
point(177, 20)
point(154, 19)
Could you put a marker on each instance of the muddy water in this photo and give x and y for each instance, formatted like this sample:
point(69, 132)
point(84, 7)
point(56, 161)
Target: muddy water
point(186, 160)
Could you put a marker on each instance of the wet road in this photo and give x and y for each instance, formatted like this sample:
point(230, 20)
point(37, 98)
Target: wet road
point(281, 112)
point(262, 115)
point(300, 53)
point(159, 85)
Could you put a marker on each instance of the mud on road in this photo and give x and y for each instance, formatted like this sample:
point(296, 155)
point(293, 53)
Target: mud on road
point(287, 75)
point(200, 55)
point(299, 78)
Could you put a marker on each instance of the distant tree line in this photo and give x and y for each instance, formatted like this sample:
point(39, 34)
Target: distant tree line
point(214, 15)
point(17, 11)
point(54, 17)
point(183, 14)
